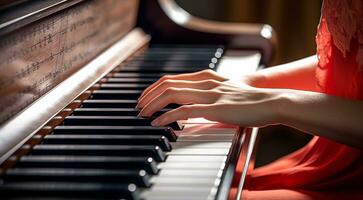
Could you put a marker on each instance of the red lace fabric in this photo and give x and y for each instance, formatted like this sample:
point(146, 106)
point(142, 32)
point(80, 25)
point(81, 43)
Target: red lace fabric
point(340, 48)
point(324, 169)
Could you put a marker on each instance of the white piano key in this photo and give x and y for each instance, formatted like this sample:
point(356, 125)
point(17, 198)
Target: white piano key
point(197, 129)
point(185, 181)
point(201, 145)
point(199, 120)
point(183, 158)
point(177, 198)
point(193, 165)
point(206, 137)
point(178, 191)
point(190, 173)
point(192, 151)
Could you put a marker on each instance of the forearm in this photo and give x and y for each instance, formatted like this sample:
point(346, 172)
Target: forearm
point(332, 117)
point(205, 94)
point(299, 75)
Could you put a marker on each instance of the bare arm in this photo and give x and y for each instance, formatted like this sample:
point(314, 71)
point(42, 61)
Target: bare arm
point(299, 75)
point(280, 95)
point(336, 118)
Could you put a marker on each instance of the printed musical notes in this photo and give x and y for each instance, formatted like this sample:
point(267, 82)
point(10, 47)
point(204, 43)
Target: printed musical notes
point(39, 56)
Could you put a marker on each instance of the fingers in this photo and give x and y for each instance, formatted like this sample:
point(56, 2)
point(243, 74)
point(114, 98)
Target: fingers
point(178, 96)
point(200, 85)
point(183, 112)
point(196, 76)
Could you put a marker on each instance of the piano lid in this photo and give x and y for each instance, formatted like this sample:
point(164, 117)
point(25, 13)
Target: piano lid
point(38, 56)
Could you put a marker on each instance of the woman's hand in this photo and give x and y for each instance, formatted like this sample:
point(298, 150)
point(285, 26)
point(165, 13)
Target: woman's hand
point(206, 94)
point(297, 104)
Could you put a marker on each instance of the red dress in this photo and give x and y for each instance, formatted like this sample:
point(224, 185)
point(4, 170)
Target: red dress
point(324, 169)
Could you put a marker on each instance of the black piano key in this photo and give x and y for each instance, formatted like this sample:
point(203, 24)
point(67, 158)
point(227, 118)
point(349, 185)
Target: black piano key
point(158, 70)
point(137, 75)
point(137, 177)
point(109, 103)
point(114, 121)
point(111, 112)
point(175, 57)
point(166, 54)
point(117, 130)
point(180, 50)
point(160, 65)
point(100, 150)
point(89, 162)
point(132, 80)
point(116, 94)
point(176, 126)
point(184, 48)
point(69, 189)
point(107, 120)
point(165, 67)
point(157, 140)
point(123, 86)
point(115, 103)
point(165, 62)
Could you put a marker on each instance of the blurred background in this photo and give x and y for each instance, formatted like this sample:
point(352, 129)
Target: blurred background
point(295, 23)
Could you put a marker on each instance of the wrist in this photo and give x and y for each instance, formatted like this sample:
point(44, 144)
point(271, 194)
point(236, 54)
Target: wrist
point(255, 80)
point(284, 105)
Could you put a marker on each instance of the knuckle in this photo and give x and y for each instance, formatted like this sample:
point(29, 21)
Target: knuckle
point(208, 71)
point(165, 77)
point(215, 93)
point(212, 82)
point(184, 109)
point(170, 90)
point(168, 81)
point(165, 82)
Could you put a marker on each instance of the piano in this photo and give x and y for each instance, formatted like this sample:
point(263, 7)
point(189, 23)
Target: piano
point(70, 75)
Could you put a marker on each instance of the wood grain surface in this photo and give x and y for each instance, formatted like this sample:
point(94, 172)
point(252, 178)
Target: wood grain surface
point(37, 57)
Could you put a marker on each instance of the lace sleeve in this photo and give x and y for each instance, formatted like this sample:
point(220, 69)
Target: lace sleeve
point(344, 20)
point(360, 48)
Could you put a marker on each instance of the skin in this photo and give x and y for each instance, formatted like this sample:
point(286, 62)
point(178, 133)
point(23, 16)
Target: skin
point(284, 94)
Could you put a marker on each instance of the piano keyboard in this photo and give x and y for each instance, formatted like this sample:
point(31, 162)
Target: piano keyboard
point(102, 150)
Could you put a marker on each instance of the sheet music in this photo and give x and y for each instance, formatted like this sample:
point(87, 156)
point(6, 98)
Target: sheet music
point(37, 57)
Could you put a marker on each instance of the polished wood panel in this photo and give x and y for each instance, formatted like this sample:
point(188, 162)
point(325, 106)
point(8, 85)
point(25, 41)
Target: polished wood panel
point(38, 57)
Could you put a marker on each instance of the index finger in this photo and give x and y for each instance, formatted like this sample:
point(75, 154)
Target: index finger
point(181, 113)
point(195, 76)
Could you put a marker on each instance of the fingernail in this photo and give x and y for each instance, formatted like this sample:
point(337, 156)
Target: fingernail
point(155, 122)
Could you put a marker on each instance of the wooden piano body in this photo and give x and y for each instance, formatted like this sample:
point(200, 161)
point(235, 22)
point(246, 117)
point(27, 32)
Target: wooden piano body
point(58, 54)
